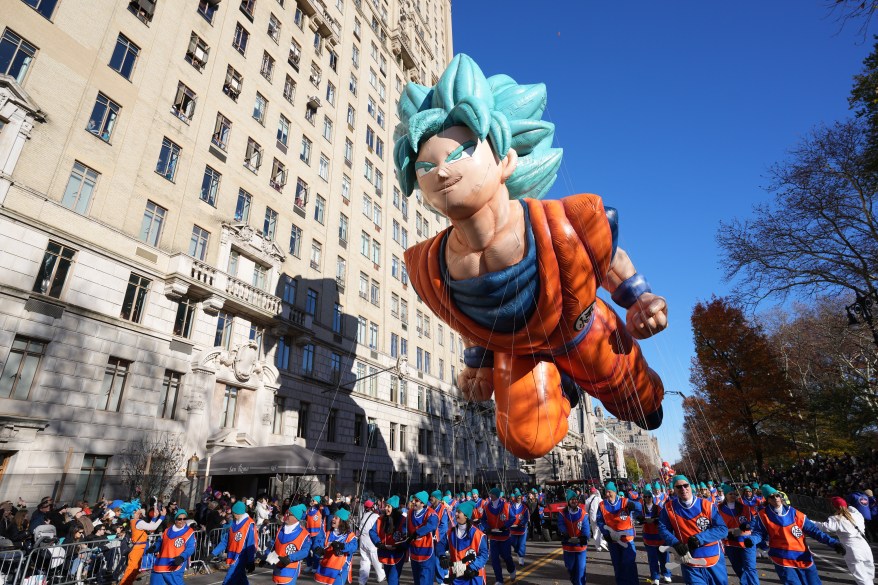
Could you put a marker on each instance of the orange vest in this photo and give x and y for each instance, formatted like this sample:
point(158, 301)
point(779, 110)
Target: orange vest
point(573, 524)
point(283, 548)
point(497, 520)
point(786, 544)
point(459, 547)
point(651, 535)
point(733, 519)
point(172, 547)
point(138, 536)
point(420, 549)
point(332, 565)
point(237, 538)
point(684, 528)
point(314, 521)
point(620, 520)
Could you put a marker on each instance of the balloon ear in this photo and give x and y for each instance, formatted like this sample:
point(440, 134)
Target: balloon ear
point(509, 163)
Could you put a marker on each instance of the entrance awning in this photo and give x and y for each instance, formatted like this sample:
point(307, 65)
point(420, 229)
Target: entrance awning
point(274, 459)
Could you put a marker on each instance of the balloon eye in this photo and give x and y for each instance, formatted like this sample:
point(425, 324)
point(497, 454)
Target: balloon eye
point(463, 151)
point(422, 168)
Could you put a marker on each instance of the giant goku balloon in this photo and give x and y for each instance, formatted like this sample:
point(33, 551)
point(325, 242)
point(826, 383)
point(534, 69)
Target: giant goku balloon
point(515, 276)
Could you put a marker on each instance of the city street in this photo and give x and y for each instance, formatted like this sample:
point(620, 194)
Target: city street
point(544, 565)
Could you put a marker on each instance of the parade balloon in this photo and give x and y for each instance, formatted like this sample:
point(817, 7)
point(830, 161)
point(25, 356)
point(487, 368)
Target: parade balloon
point(516, 276)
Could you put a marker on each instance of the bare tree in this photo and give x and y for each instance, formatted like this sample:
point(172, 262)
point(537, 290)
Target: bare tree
point(853, 11)
point(820, 235)
point(153, 467)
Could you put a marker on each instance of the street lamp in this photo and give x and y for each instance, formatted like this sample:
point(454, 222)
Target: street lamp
point(192, 466)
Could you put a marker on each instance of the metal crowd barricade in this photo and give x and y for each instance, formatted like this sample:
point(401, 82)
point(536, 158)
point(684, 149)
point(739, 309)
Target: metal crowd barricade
point(10, 566)
point(75, 563)
point(198, 560)
point(267, 534)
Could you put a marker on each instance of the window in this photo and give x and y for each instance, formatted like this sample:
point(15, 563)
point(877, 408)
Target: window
point(282, 354)
point(308, 359)
point(184, 102)
point(289, 291)
point(103, 117)
point(230, 406)
point(337, 319)
point(170, 392)
point(222, 128)
point(115, 376)
point(299, 18)
point(80, 187)
point(394, 266)
point(305, 151)
point(91, 475)
point(316, 75)
point(346, 187)
point(269, 225)
point(21, 367)
point(373, 336)
point(311, 112)
point(340, 272)
point(16, 55)
point(327, 128)
point(124, 56)
point(242, 207)
point(197, 52)
point(379, 151)
point(301, 199)
point(404, 312)
point(234, 259)
point(198, 243)
point(54, 269)
point(355, 56)
point(374, 432)
point(331, 424)
point(153, 221)
point(260, 277)
point(320, 209)
point(376, 253)
point(394, 305)
point(302, 428)
point(247, 7)
point(241, 39)
point(420, 391)
point(232, 84)
point(267, 68)
point(333, 60)
point(404, 240)
point(330, 94)
point(379, 117)
point(296, 241)
point(316, 254)
point(323, 168)
point(295, 54)
point(278, 175)
point(289, 89)
point(365, 244)
point(394, 348)
point(207, 9)
point(362, 328)
point(223, 337)
point(210, 186)
point(135, 298)
point(358, 429)
point(184, 318)
point(370, 138)
point(311, 302)
point(274, 28)
point(343, 228)
point(259, 107)
point(373, 78)
point(253, 155)
point(352, 116)
point(403, 438)
point(368, 170)
point(348, 152)
point(277, 415)
point(318, 43)
point(169, 155)
point(352, 85)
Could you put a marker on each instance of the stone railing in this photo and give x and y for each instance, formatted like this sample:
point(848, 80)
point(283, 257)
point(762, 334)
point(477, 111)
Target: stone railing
point(248, 293)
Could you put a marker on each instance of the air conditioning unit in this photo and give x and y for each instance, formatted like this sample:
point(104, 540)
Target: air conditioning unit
point(314, 101)
point(199, 55)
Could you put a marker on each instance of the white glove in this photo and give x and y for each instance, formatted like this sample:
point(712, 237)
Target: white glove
point(272, 558)
point(458, 568)
point(574, 541)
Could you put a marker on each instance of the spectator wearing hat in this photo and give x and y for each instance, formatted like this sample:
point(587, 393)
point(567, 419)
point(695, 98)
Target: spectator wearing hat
point(239, 544)
point(592, 504)
point(464, 549)
point(615, 522)
point(422, 523)
point(337, 556)
point(574, 529)
point(388, 534)
point(694, 528)
point(850, 527)
point(520, 520)
point(41, 514)
point(784, 529)
point(314, 525)
point(652, 540)
point(443, 512)
point(496, 521)
point(140, 531)
point(174, 547)
point(368, 550)
point(292, 545)
point(739, 546)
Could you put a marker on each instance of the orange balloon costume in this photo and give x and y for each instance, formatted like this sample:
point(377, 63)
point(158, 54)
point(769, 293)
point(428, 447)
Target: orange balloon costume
point(574, 250)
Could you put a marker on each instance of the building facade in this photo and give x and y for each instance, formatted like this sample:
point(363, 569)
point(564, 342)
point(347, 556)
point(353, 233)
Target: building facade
point(634, 438)
point(201, 242)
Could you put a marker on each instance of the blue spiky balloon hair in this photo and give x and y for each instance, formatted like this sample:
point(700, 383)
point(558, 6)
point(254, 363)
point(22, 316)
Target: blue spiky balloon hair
point(497, 108)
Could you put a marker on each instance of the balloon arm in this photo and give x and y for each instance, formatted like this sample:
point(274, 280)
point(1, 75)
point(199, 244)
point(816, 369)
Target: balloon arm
point(621, 269)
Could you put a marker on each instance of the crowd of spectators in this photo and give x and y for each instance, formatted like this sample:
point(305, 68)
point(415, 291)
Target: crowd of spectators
point(821, 476)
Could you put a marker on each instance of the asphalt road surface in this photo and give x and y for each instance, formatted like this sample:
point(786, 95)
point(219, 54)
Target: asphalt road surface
point(545, 566)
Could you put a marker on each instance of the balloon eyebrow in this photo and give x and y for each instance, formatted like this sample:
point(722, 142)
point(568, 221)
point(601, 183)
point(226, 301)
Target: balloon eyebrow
point(456, 152)
point(425, 165)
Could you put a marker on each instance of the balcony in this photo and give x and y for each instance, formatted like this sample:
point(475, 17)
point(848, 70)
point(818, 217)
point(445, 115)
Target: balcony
point(402, 48)
point(217, 290)
point(311, 7)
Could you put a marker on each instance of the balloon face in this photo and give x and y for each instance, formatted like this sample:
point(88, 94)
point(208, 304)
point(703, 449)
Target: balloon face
point(458, 174)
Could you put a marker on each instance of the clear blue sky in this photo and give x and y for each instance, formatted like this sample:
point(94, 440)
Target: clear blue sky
point(672, 112)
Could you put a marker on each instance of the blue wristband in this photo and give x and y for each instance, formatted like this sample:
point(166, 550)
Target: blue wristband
point(627, 293)
point(478, 357)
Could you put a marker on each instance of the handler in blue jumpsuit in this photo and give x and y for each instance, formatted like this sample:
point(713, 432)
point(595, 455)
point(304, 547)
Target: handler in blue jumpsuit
point(574, 529)
point(463, 549)
point(174, 546)
point(518, 531)
point(615, 522)
point(239, 544)
point(784, 529)
point(421, 525)
point(652, 540)
point(694, 528)
point(739, 546)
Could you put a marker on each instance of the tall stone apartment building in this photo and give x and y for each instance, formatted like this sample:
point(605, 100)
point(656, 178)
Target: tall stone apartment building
point(632, 437)
point(201, 242)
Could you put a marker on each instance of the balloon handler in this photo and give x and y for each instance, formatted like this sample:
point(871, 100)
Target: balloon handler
point(518, 279)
